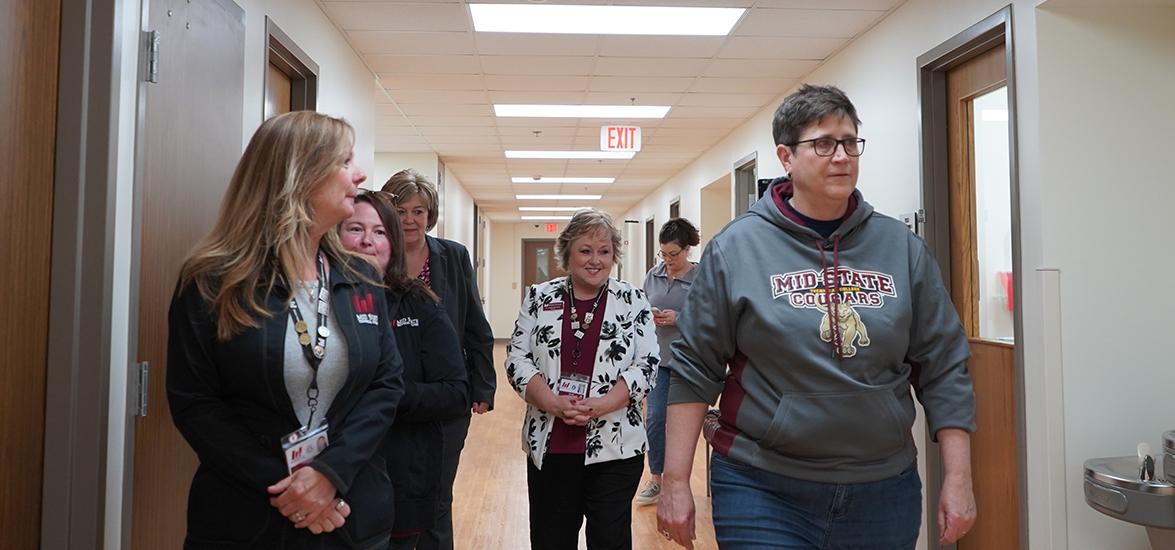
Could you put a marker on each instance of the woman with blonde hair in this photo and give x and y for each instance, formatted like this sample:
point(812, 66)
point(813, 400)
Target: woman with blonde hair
point(279, 342)
point(583, 356)
point(444, 267)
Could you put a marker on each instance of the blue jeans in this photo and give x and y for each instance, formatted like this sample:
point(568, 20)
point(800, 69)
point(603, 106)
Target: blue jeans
point(655, 421)
point(755, 509)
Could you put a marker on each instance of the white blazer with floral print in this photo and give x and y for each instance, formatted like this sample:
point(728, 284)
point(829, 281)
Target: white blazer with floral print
point(628, 350)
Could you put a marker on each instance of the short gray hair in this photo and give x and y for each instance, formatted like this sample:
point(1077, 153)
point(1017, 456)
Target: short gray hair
point(586, 222)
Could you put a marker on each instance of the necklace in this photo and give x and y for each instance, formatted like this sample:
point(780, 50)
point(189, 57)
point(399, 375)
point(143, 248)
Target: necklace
point(576, 327)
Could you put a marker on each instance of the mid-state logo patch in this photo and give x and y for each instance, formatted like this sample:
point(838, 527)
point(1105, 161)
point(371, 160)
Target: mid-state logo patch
point(858, 289)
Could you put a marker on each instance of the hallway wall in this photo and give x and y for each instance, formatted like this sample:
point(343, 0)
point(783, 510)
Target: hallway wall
point(1106, 131)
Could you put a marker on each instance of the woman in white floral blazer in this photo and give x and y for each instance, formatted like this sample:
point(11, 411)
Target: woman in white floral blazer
point(584, 366)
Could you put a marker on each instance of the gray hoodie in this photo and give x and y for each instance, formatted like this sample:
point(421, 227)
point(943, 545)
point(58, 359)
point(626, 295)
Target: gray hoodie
point(805, 397)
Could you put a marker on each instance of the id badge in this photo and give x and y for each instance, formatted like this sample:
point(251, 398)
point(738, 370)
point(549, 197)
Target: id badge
point(574, 385)
point(301, 446)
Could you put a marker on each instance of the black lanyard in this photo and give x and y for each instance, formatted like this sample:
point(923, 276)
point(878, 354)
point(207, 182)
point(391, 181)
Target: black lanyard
point(576, 331)
point(315, 353)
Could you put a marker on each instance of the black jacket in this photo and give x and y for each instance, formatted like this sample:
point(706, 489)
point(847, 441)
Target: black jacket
point(229, 401)
point(454, 281)
point(436, 388)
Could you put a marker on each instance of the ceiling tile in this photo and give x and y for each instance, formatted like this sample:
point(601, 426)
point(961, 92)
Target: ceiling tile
point(553, 83)
point(621, 98)
point(536, 65)
point(448, 97)
point(440, 109)
point(660, 46)
point(383, 16)
point(433, 131)
point(636, 84)
point(432, 82)
point(425, 121)
point(818, 23)
point(424, 64)
point(535, 97)
point(743, 85)
point(650, 66)
point(536, 44)
point(409, 43)
point(725, 100)
point(774, 68)
point(711, 123)
point(781, 47)
point(878, 5)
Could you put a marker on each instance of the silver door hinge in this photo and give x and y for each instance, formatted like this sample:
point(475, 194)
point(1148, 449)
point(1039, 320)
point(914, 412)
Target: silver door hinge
point(141, 404)
point(916, 221)
point(152, 39)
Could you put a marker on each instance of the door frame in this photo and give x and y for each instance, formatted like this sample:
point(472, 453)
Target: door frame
point(522, 264)
point(85, 185)
point(932, 70)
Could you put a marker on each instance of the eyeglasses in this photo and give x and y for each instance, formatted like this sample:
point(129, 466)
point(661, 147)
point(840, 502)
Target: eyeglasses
point(826, 146)
point(670, 255)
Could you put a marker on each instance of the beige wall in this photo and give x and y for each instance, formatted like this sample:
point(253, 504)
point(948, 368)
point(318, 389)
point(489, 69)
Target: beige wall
point(387, 164)
point(505, 282)
point(1105, 127)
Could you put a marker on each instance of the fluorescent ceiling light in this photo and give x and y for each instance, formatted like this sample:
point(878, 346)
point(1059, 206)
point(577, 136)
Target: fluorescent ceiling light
point(558, 197)
point(607, 155)
point(582, 111)
point(552, 208)
point(551, 218)
point(562, 180)
point(565, 19)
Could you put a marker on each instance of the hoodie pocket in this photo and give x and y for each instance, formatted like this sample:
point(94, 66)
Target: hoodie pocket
point(862, 426)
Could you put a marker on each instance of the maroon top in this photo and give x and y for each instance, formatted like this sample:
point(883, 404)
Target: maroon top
point(566, 439)
point(426, 272)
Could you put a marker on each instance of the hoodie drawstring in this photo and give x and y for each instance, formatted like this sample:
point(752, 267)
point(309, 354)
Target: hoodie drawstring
point(832, 291)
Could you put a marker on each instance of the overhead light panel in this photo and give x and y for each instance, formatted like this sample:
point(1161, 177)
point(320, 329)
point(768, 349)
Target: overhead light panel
point(562, 180)
point(558, 197)
point(552, 208)
point(605, 155)
point(574, 19)
point(547, 218)
point(582, 111)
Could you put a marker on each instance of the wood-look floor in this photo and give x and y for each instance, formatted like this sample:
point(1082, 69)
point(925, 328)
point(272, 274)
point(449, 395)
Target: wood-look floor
point(489, 499)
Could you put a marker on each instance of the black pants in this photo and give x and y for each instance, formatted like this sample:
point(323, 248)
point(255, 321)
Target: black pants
point(440, 537)
point(566, 490)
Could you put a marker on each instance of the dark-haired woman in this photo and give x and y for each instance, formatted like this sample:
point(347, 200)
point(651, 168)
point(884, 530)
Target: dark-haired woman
point(436, 388)
point(666, 286)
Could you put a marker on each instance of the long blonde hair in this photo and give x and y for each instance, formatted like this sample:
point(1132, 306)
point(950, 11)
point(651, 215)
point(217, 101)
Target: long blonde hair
point(263, 231)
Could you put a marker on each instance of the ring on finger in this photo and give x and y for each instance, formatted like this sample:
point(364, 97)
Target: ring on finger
point(299, 516)
point(340, 504)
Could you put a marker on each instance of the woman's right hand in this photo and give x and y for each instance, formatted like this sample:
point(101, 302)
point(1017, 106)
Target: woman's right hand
point(675, 512)
point(569, 410)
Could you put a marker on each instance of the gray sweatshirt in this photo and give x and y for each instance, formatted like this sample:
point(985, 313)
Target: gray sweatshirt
point(805, 397)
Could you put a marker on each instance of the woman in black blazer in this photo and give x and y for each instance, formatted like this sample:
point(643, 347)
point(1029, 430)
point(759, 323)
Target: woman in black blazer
point(436, 387)
point(274, 328)
point(444, 267)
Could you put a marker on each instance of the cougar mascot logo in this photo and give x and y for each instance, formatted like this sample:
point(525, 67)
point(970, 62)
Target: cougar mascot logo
point(851, 327)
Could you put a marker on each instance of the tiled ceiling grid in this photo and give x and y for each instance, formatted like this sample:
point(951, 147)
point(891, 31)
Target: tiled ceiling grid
point(438, 79)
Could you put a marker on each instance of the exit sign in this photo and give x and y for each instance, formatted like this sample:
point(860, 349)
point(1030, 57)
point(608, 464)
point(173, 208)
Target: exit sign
point(552, 228)
point(620, 138)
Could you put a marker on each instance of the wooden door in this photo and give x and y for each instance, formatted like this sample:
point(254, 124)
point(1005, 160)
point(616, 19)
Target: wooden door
point(189, 144)
point(538, 263)
point(981, 278)
point(29, 32)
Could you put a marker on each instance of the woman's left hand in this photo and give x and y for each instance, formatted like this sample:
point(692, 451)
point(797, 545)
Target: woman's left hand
point(665, 318)
point(303, 496)
point(614, 400)
point(956, 509)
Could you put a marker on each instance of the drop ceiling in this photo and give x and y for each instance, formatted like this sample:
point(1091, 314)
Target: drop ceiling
point(438, 81)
